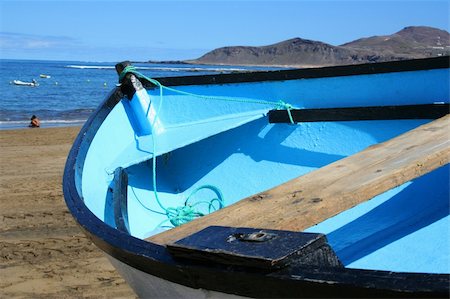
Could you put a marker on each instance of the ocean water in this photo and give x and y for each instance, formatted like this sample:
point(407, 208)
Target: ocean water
point(74, 89)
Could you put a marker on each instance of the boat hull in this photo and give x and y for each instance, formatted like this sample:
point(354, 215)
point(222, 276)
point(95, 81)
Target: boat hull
point(150, 268)
point(22, 83)
point(150, 286)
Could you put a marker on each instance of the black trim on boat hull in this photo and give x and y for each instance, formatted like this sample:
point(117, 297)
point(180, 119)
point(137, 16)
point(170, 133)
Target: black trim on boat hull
point(292, 281)
point(426, 111)
point(120, 199)
point(309, 73)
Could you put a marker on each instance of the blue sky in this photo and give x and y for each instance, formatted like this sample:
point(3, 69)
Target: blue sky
point(107, 30)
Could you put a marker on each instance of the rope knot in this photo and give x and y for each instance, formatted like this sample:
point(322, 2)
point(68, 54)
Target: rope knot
point(132, 70)
point(125, 71)
point(180, 215)
point(283, 105)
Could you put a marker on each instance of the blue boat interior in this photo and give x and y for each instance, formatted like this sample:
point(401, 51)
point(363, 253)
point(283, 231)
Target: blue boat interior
point(205, 151)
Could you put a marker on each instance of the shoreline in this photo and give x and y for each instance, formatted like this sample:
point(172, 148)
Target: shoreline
point(44, 253)
point(44, 125)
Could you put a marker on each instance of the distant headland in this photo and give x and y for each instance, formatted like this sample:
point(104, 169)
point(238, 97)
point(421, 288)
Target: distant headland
point(408, 43)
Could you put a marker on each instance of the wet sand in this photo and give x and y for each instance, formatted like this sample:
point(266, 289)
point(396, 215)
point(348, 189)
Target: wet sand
point(43, 253)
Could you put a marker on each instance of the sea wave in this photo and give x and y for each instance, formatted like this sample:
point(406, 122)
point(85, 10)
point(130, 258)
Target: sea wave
point(89, 66)
point(45, 115)
point(13, 122)
point(19, 124)
point(49, 121)
point(63, 121)
point(162, 68)
point(198, 69)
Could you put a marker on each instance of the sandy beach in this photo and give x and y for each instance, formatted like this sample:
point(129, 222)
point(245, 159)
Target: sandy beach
point(44, 254)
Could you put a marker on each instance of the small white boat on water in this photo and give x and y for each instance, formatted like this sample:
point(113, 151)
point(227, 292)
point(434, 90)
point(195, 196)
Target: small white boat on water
point(33, 83)
point(44, 76)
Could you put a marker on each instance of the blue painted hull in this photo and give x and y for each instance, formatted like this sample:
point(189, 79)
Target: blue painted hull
point(216, 133)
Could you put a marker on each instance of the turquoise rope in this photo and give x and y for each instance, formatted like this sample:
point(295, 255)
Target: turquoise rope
point(278, 105)
point(186, 213)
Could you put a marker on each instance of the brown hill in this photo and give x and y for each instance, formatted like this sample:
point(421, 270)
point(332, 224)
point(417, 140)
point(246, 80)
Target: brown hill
point(410, 42)
point(284, 53)
point(414, 41)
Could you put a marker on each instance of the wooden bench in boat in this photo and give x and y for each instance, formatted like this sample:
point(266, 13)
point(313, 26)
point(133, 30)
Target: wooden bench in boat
point(323, 193)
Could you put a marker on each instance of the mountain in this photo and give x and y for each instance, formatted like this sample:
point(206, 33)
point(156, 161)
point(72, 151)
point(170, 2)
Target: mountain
point(410, 42)
point(292, 51)
point(413, 41)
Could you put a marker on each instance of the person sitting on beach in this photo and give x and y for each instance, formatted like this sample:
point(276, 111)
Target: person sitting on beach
point(35, 122)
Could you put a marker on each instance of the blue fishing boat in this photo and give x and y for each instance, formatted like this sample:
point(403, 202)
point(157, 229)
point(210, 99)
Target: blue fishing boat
point(321, 182)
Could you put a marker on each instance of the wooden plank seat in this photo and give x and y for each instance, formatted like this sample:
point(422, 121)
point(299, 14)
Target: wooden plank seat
point(325, 192)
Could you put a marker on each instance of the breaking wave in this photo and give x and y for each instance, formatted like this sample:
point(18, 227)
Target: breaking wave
point(166, 69)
